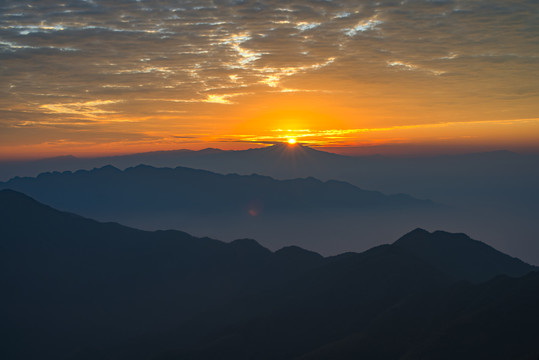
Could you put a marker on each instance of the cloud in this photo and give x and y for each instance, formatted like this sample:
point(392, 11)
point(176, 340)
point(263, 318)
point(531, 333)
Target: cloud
point(90, 109)
point(364, 25)
point(78, 59)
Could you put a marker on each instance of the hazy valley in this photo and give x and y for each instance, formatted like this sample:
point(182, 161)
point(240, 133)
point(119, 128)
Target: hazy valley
point(492, 196)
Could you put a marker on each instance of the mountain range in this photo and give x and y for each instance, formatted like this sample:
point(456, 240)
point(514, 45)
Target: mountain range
point(442, 178)
point(75, 288)
point(230, 206)
point(492, 195)
point(147, 189)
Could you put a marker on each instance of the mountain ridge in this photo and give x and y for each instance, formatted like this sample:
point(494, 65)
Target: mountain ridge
point(493, 195)
point(91, 290)
point(211, 190)
point(459, 255)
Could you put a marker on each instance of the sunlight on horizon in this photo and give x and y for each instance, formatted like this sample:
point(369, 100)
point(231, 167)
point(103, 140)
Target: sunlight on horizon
point(339, 76)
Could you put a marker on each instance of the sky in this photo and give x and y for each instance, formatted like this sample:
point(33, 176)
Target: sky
point(100, 77)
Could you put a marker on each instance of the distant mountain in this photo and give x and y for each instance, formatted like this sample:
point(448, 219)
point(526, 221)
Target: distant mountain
point(493, 195)
point(497, 175)
point(147, 190)
point(74, 288)
point(278, 212)
point(257, 160)
point(9, 169)
point(444, 178)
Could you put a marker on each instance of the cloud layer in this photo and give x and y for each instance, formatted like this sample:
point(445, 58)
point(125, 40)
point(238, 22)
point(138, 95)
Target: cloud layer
point(147, 72)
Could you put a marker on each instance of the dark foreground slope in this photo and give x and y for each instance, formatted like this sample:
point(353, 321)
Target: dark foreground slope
point(493, 320)
point(71, 282)
point(74, 288)
point(460, 257)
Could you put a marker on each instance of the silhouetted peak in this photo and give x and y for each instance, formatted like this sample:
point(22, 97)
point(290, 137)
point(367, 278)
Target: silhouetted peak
point(308, 180)
point(294, 258)
point(296, 251)
point(144, 166)
point(108, 169)
point(459, 256)
point(441, 233)
point(243, 242)
point(47, 174)
point(249, 246)
point(286, 147)
point(417, 232)
point(12, 195)
point(277, 146)
point(421, 237)
point(14, 204)
point(210, 151)
point(143, 170)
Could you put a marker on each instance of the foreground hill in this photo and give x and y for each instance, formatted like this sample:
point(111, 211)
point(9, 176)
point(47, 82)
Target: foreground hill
point(75, 288)
point(460, 257)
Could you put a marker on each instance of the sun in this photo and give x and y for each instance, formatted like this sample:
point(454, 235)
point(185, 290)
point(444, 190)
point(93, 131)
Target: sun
point(291, 141)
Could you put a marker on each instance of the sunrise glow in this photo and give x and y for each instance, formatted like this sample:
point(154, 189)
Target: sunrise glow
point(186, 77)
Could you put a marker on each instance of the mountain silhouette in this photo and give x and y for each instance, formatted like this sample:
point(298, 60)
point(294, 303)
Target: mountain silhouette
point(69, 277)
point(75, 288)
point(493, 195)
point(276, 212)
point(443, 178)
point(500, 177)
point(258, 160)
point(459, 256)
point(149, 189)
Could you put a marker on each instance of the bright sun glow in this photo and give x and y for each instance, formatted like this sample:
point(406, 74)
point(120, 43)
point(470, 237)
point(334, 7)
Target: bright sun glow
point(291, 141)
